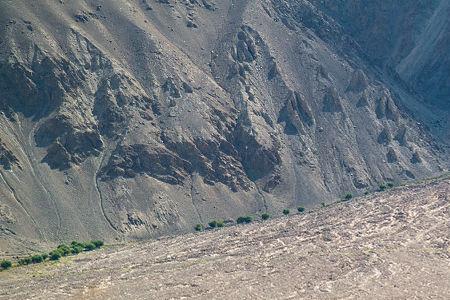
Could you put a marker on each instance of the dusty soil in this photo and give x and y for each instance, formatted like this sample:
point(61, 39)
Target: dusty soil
point(392, 245)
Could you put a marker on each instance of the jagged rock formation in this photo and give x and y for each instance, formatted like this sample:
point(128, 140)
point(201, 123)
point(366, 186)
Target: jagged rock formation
point(139, 118)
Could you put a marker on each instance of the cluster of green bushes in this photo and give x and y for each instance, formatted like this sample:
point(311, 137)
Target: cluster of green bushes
point(60, 251)
point(242, 220)
point(216, 224)
point(220, 223)
point(34, 259)
point(381, 188)
point(287, 211)
point(213, 224)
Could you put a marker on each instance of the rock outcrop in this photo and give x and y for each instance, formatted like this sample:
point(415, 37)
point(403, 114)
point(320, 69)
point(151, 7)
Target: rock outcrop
point(136, 119)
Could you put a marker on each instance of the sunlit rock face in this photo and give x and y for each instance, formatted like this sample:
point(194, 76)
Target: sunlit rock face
point(137, 119)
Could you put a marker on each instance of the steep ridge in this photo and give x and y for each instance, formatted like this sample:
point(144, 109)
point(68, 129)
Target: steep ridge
point(130, 119)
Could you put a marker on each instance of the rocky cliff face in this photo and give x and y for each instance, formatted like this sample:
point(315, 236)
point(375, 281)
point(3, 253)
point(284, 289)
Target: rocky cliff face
point(139, 118)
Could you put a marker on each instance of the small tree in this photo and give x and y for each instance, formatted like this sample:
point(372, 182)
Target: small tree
point(35, 259)
point(286, 212)
point(75, 249)
point(24, 261)
point(244, 220)
point(64, 250)
point(98, 243)
point(213, 224)
point(265, 216)
point(199, 227)
point(55, 255)
point(348, 197)
point(5, 264)
point(89, 247)
point(301, 209)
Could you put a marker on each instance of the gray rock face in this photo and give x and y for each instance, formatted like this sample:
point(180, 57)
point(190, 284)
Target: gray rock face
point(126, 123)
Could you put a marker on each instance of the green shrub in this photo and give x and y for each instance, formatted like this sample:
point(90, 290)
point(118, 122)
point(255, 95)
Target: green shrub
point(75, 243)
point(89, 247)
point(5, 264)
point(64, 250)
point(383, 187)
point(75, 249)
point(44, 256)
point(199, 227)
point(348, 196)
point(265, 216)
point(390, 185)
point(286, 212)
point(244, 220)
point(220, 224)
point(55, 255)
point(24, 261)
point(301, 209)
point(213, 224)
point(35, 259)
point(323, 204)
point(98, 243)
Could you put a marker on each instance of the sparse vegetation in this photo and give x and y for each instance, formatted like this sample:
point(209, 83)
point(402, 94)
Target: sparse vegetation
point(5, 264)
point(265, 216)
point(61, 251)
point(301, 209)
point(286, 212)
point(244, 220)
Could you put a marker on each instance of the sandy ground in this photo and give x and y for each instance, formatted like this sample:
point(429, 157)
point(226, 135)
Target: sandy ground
point(393, 245)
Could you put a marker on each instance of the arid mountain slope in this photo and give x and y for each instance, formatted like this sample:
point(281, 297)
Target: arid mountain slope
point(410, 37)
point(129, 119)
point(393, 245)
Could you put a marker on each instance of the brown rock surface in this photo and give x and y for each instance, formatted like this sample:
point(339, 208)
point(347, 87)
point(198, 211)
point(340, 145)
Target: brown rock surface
point(122, 109)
